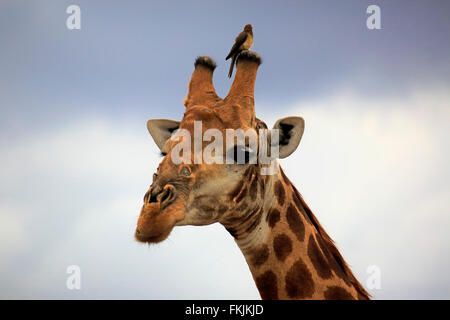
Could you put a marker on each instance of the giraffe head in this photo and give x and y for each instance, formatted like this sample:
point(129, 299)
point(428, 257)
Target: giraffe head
point(188, 188)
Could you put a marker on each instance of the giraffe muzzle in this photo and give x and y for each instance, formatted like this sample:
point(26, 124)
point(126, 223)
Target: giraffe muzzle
point(165, 196)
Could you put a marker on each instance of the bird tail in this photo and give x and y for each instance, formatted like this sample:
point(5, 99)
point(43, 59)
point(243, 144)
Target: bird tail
point(232, 66)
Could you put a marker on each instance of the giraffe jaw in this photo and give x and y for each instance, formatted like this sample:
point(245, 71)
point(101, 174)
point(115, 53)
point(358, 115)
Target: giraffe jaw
point(155, 225)
point(151, 239)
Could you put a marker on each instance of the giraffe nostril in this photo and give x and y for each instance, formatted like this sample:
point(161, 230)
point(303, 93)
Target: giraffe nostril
point(167, 196)
point(164, 196)
point(152, 198)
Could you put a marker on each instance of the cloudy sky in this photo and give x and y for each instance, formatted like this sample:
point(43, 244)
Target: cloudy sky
point(76, 158)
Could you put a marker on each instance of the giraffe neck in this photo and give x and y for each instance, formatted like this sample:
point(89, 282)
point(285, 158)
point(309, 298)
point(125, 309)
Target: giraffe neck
point(289, 254)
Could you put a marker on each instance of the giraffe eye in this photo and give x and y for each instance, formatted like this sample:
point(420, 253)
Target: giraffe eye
point(185, 172)
point(240, 155)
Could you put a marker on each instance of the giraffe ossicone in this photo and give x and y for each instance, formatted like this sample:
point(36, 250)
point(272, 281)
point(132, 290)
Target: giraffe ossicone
point(289, 254)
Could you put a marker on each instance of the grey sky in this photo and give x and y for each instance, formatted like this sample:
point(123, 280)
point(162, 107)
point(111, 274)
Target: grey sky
point(132, 60)
point(77, 159)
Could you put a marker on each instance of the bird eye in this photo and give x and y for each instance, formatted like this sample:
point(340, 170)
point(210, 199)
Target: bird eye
point(185, 172)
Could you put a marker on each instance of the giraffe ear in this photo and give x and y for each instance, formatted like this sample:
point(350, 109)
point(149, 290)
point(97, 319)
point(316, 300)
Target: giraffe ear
point(290, 133)
point(161, 130)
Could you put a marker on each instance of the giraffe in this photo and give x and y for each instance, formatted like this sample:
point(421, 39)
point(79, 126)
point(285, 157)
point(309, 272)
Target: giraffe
point(288, 252)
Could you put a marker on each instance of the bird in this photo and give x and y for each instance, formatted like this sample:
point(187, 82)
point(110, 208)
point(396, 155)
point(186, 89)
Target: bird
point(243, 41)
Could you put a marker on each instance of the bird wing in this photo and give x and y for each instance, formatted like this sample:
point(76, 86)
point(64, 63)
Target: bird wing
point(240, 39)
